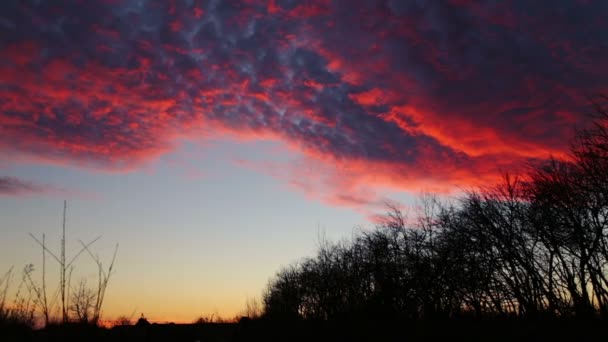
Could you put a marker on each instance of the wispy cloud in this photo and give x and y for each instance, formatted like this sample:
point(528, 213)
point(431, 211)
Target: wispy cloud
point(12, 186)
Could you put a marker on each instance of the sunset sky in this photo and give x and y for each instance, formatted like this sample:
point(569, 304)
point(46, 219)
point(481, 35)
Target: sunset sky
point(219, 140)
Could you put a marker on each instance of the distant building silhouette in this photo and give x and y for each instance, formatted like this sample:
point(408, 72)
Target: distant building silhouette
point(142, 322)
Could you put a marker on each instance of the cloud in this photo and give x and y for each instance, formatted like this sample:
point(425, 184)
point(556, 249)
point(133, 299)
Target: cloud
point(378, 94)
point(12, 186)
point(15, 186)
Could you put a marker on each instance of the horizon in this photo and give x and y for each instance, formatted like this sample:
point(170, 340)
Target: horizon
point(218, 141)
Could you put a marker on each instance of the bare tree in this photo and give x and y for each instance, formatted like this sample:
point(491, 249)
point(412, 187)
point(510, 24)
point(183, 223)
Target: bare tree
point(533, 245)
point(66, 267)
point(82, 303)
point(103, 277)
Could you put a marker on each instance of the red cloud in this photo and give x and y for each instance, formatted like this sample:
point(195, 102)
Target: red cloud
point(376, 97)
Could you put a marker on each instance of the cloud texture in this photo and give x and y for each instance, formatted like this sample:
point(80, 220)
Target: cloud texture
point(11, 186)
point(391, 94)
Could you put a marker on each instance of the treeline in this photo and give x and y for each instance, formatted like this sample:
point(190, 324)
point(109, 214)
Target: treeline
point(535, 245)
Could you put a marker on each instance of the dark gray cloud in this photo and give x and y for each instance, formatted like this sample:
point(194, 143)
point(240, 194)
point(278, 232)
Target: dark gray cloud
point(13, 186)
point(436, 89)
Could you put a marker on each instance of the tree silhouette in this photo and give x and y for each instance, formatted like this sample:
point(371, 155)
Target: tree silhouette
point(535, 245)
point(82, 303)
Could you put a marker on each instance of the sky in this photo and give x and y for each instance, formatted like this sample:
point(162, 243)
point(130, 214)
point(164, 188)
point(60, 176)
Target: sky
point(217, 141)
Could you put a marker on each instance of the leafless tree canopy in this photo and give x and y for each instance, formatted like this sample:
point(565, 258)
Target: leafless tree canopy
point(82, 302)
point(533, 245)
